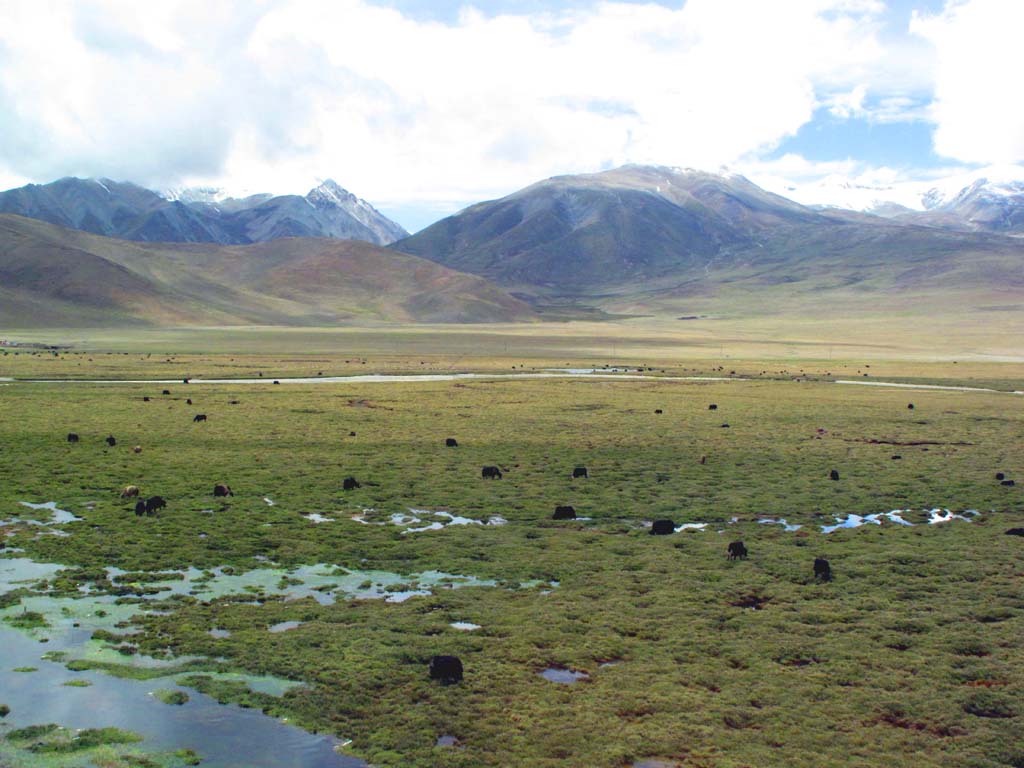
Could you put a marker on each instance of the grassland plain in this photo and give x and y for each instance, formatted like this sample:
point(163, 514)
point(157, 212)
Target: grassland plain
point(910, 656)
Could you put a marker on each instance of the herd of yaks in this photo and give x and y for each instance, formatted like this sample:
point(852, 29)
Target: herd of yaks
point(448, 669)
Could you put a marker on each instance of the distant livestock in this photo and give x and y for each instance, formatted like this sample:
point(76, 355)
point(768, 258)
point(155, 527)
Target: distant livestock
point(111, 441)
point(349, 484)
point(137, 449)
point(896, 457)
point(153, 503)
point(188, 401)
point(658, 411)
point(451, 442)
point(222, 490)
point(447, 669)
point(833, 475)
point(72, 437)
point(145, 399)
point(712, 407)
point(140, 508)
point(822, 570)
point(130, 492)
point(662, 527)
point(1008, 483)
point(564, 512)
point(199, 417)
point(737, 550)
point(166, 392)
point(1015, 532)
point(579, 472)
point(490, 473)
point(999, 475)
point(910, 406)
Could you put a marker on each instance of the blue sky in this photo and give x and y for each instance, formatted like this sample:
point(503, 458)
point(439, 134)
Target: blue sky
point(425, 106)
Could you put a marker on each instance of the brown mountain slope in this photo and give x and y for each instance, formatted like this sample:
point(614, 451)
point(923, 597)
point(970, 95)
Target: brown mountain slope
point(55, 276)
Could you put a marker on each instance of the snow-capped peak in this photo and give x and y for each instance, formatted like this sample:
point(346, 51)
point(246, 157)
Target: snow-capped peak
point(332, 193)
point(197, 194)
point(871, 195)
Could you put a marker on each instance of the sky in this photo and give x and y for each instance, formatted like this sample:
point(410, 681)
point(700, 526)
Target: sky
point(424, 106)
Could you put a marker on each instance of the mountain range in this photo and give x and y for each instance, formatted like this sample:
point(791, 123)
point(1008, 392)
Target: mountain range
point(990, 200)
point(641, 235)
point(633, 240)
point(53, 276)
point(131, 212)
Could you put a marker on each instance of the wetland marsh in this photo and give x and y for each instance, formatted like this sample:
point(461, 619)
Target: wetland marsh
point(677, 654)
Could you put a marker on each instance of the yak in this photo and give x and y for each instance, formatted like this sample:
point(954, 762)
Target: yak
point(564, 512)
point(447, 669)
point(737, 550)
point(822, 570)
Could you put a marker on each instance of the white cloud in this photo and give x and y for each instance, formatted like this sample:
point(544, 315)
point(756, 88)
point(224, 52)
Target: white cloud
point(978, 114)
point(277, 94)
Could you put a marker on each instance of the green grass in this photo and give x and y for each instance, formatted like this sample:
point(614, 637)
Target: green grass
point(912, 653)
point(176, 698)
point(28, 620)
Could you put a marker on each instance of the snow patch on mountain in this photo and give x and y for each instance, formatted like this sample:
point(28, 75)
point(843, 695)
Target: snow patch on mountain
point(837, 191)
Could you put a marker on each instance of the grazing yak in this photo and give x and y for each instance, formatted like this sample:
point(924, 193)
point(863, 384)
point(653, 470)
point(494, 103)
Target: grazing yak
point(658, 411)
point(153, 503)
point(490, 473)
point(662, 527)
point(447, 669)
point(111, 441)
point(999, 475)
point(822, 570)
point(1008, 483)
point(451, 442)
point(1015, 532)
point(188, 401)
point(140, 508)
point(910, 406)
point(580, 472)
point(712, 407)
point(349, 484)
point(833, 475)
point(137, 449)
point(130, 492)
point(737, 550)
point(72, 437)
point(222, 490)
point(564, 512)
point(166, 392)
point(199, 417)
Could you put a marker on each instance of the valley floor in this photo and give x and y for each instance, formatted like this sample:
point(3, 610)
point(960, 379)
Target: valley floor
point(324, 606)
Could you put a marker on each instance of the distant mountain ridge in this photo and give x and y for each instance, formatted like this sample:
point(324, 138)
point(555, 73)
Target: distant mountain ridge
point(130, 212)
point(638, 237)
point(54, 276)
point(990, 200)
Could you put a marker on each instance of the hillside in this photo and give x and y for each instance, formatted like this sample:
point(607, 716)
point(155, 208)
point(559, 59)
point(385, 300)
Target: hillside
point(53, 276)
point(130, 212)
point(639, 237)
